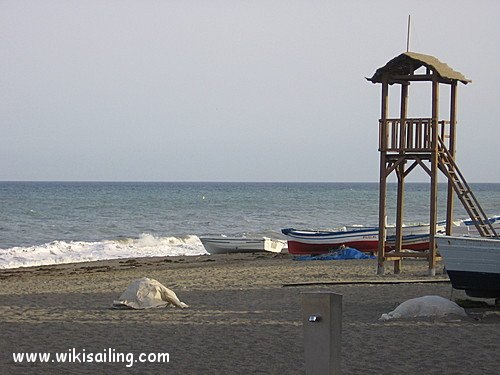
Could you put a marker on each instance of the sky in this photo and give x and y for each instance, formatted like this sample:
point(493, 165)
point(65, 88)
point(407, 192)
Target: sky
point(230, 90)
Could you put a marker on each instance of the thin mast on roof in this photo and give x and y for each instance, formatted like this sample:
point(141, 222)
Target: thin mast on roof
point(408, 36)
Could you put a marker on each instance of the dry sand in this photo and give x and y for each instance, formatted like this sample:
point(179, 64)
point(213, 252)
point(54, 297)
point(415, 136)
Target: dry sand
point(242, 319)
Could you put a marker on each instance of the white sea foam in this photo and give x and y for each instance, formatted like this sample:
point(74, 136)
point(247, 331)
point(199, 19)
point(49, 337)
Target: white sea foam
point(58, 252)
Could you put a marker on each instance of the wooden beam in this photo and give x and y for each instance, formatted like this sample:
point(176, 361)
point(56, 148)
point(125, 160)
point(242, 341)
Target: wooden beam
point(418, 78)
point(401, 177)
point(409, 156)
point(394, 165)
point(412, 167)
point(434, 176)
point(383, 178)
point(403, 254)
point(412, 77)
point(421, 163)
point(452, 142)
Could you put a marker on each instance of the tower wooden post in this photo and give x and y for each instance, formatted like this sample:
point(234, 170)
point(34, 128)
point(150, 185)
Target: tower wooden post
point(383, 177)
point(401, 178)
point(452, 148)
point(434, 175)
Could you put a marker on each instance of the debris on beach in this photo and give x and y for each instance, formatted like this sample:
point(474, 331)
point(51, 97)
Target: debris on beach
point(426, 306)
point(342, 254)
point(147, 293)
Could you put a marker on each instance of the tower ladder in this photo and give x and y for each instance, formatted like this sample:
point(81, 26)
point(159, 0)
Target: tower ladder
point(448, 166)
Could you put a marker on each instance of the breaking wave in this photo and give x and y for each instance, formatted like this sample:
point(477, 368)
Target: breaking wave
point(58, 252)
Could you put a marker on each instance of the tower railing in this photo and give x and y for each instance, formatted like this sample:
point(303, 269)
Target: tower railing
point(410, 135)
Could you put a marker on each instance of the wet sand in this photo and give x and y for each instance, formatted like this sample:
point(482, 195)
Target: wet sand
point(244, 317)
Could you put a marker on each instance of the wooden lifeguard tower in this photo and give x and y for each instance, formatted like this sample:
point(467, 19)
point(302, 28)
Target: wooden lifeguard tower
point(405, 143)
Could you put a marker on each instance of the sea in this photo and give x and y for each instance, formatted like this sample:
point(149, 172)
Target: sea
point(45, 223)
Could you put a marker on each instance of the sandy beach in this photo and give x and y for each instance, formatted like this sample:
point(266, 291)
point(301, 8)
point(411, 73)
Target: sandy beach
point(244, 317)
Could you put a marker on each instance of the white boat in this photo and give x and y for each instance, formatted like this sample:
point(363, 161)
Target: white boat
point(225, 245)
point(494, 221)
point(472, 263)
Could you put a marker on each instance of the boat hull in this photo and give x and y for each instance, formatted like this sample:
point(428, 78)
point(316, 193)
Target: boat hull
point(418, 242)
point(225, 245)
point(302, 242)
point(473, 264)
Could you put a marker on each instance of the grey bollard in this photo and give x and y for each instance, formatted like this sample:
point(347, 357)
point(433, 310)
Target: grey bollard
point(322, 322)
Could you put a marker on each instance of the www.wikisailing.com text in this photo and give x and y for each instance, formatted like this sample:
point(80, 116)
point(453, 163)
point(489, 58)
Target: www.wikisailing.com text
point(108, 355)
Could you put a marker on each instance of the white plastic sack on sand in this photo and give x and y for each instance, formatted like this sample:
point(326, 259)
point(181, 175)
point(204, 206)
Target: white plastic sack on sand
point(147, 293)
point(426, 306)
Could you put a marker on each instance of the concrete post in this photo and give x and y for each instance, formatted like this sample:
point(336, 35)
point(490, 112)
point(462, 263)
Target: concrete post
point(322, 322)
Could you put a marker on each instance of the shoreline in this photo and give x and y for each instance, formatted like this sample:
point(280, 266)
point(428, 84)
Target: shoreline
point(241, 317)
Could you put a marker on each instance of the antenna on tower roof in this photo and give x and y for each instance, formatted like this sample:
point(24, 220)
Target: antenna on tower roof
point(408, 36)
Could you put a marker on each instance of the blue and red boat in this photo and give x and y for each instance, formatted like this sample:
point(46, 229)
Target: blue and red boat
point(303, 242)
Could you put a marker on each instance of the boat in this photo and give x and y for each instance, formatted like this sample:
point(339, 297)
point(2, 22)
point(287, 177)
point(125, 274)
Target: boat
point(226, 245)
point(470, 224)
point(494, 220)
point(302, 242)
point(415, 237)
point(415, 242)
point(472, 263)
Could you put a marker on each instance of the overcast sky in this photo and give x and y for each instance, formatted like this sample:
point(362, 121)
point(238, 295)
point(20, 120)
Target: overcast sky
point(230, 90)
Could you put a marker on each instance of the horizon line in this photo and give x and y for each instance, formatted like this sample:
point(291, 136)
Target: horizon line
point(231, 181)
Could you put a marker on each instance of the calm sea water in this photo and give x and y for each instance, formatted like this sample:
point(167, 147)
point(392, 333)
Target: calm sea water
point(50, 222)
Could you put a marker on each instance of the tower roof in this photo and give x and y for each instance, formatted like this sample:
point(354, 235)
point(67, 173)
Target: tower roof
point(403, 67)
